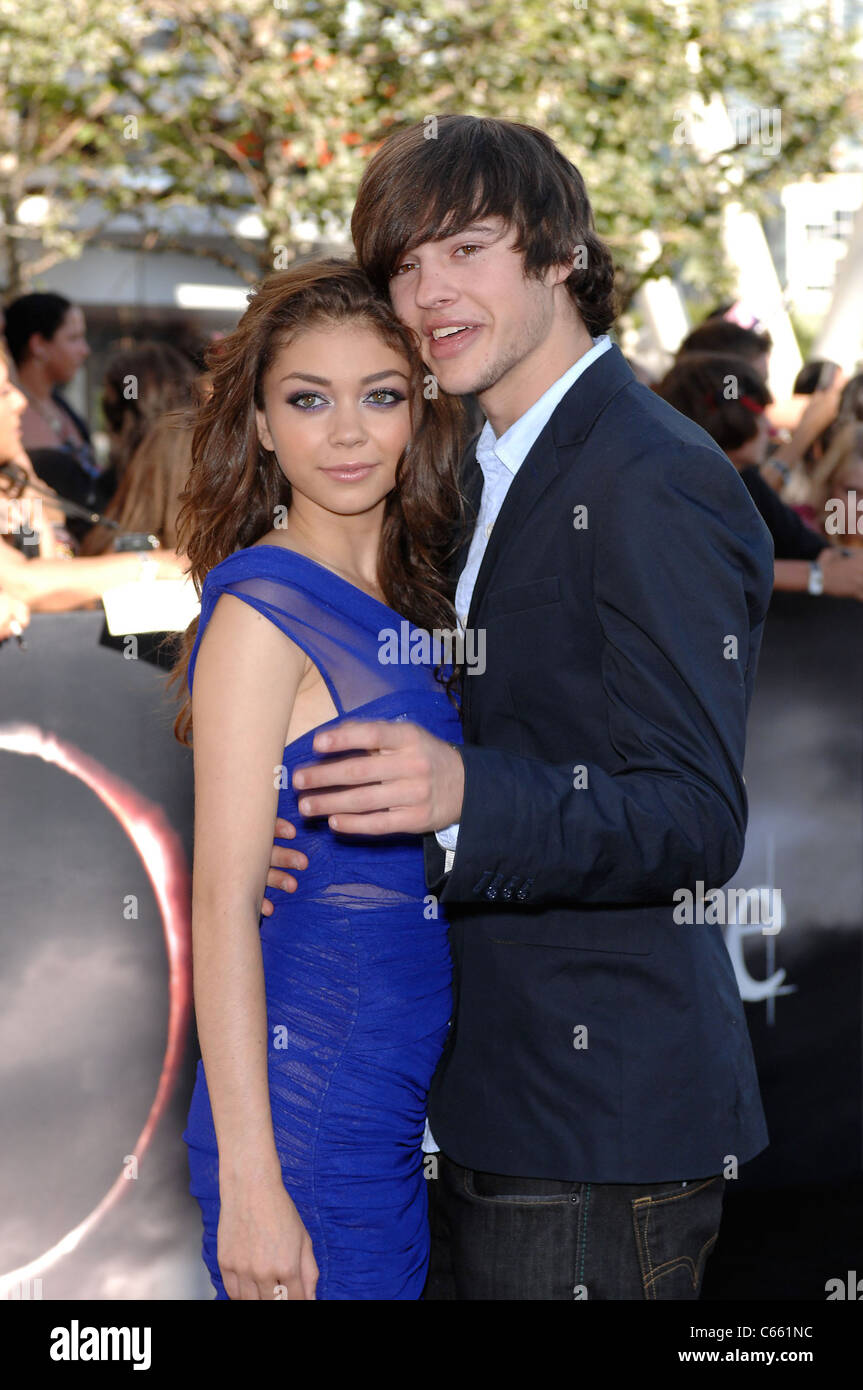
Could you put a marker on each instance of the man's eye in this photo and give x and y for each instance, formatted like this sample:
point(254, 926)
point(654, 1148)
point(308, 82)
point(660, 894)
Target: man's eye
point(405, 265)
point(470, 246)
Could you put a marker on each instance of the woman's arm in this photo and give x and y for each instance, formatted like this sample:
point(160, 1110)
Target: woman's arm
point(56, 586)
point(819, 412)
point(843, 574)
point(245, 681)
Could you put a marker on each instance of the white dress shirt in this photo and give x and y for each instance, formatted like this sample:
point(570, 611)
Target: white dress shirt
point(500, 460)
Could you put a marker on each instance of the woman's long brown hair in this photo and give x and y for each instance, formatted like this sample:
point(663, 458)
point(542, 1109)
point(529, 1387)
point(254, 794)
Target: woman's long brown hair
point(148, 497)
point(235, 484)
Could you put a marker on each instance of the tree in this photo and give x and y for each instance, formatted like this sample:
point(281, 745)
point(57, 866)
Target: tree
point(247, 106)
point(62, 66)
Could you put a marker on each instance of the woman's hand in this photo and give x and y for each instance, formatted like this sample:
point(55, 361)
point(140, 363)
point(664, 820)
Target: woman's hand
point(169, 564)
point(263, 1246)
point(14, 616)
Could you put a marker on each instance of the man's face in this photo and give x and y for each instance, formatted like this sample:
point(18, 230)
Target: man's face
point(475, 282)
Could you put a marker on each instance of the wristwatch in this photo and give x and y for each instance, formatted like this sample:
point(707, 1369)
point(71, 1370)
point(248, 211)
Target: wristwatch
point(816, 578)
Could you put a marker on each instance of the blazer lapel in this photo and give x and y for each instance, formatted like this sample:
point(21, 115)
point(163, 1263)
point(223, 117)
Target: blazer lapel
point(570, 422)
point(525, 490)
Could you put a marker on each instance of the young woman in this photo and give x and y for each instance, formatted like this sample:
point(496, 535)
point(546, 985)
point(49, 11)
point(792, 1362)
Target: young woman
point(46, 334)
point(834, 485)
point(148, 496)
point(52, 583)
point(47, 338)
point(321, 506)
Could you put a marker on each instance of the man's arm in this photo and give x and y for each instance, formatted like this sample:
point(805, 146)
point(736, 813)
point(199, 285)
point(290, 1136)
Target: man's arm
point(683, 575)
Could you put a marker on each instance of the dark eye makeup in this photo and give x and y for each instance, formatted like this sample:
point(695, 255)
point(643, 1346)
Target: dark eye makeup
point(396, 398)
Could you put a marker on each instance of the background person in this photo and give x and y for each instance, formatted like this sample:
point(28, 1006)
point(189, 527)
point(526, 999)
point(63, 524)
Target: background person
point(58, 584)
point(727, 396)
point(142, 384)
point(46, 335)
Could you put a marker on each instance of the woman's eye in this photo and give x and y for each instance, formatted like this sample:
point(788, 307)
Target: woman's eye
point(304, 396)
point(394, 396)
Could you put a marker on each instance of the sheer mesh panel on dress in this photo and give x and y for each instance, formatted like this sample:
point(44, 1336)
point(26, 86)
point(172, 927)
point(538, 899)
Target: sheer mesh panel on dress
point(333, 639)
point(343, 642)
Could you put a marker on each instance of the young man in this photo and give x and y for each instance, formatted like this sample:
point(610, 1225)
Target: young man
point(598, 1084)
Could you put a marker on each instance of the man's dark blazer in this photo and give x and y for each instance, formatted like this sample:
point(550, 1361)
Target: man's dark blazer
point(622, 594)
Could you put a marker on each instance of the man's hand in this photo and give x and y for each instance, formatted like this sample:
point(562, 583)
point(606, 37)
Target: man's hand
point(281, 859)
point(406, 782)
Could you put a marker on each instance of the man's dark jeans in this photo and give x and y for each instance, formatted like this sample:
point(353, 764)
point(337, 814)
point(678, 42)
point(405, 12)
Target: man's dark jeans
point(496, 1237)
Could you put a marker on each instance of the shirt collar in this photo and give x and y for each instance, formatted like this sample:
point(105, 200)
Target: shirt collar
point(514, 445)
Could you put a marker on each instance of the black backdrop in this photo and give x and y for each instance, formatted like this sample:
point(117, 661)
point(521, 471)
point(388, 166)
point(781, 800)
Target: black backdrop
point(85, 983)
point(795, 1217)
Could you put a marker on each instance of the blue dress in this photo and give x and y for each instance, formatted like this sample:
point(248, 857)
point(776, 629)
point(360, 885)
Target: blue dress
point(356, 961)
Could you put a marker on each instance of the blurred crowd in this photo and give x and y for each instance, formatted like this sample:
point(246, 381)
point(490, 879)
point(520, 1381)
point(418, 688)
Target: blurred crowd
point(73, 526)
point(801, 458)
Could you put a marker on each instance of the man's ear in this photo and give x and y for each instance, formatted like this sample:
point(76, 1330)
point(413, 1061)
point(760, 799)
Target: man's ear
point(560, 272)
point(264, 431)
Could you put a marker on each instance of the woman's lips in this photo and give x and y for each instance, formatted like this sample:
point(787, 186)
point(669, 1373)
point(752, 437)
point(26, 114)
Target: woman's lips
point(349, 473)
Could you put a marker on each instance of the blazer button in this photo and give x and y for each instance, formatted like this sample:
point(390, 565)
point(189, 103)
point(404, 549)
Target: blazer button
point(494, 887)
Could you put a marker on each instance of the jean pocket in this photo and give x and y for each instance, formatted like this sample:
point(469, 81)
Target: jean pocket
point(499, 1187)
point(675, 1231)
